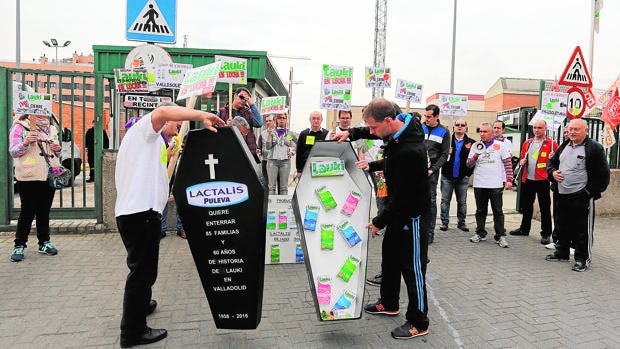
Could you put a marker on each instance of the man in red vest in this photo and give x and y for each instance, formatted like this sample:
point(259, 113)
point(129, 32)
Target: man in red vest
point(535, 155)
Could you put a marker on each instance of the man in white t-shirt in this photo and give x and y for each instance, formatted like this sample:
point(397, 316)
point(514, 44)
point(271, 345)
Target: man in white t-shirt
point(142, 191)
point(492, 171)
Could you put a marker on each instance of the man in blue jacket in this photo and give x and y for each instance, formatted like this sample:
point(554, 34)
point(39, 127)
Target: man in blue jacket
point(437, 140)
point(581, 171)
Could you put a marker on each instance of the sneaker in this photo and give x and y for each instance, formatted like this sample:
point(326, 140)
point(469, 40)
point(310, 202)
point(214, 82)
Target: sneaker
point(550, 246)
point(181, 233)
point(443, 226)
point(554, 257)
point(579, 266)
point(375, 280)
point(378, 308)
point(18, 254)
point(477, 238)
point(407, 331)
point(519, 232)
point(463, 227)
point(545, 240)
point(48, 248)
point(502, 242)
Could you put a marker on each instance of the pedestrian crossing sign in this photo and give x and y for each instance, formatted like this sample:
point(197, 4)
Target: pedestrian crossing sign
point(152, 21)
point(576, 73)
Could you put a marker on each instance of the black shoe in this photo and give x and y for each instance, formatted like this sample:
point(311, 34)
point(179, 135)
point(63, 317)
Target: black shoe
point(443, 226)
point(463, 227)
point(545, 240)
point(519, 232)
point(375, 280)
point(151, 307)
point(579, 266)
point(90, 180)
point(150, 335)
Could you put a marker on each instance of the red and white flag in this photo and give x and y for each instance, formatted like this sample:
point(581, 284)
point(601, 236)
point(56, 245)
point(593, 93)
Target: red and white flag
point(604, 98)
point(611, 113)
point(608, 136)
point(555, 87)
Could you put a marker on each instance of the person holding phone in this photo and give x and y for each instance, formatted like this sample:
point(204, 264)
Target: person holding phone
point(243, 105)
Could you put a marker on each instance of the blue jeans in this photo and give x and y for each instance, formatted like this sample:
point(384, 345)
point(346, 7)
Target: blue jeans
point(163, 219)
point(432, 180)
point(459, 187)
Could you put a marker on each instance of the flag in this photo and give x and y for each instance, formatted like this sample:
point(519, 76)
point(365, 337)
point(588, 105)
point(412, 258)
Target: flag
point(555, 87)
point(608, 136)
point(611, 113)
point(604, 98)
point(598, 5)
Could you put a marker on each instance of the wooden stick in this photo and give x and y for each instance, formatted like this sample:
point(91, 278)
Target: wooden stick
point(408, 107)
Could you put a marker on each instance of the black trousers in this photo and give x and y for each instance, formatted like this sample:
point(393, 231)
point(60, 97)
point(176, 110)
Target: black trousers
point(529, 190)
point(575, 225)
point(483, 197)
point(91, 161)
point(36, 199)
point(405, 252)
point(140, 233)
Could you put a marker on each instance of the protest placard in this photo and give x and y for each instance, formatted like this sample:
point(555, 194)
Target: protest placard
point(336, 86)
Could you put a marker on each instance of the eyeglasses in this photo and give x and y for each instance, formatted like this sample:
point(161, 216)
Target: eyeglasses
point(460, 125)
point(243, 98)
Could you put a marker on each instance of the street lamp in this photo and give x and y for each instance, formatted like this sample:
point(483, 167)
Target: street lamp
point(291, 82)
point(55, 45)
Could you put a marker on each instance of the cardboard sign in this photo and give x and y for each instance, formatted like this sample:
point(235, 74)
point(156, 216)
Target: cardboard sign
point(32, 103)
point(336, 86)
point(170, 75)
point(453, 105)
point(331, 213)
point(199, 81)
point(283, 242)
point(552, 109)
point(131, 80)
point(233, 70)
point(222, 199)
point(408, 91)
point(378, 77)
point(273, 105)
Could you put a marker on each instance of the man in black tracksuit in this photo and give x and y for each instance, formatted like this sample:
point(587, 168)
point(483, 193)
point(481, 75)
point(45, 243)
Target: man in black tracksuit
point(581, 173)
point(405, 214)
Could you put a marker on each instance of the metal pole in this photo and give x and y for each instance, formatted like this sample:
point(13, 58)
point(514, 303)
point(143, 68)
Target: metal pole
point(18, 35)
point(453, 50)
point(290, 94)
point(56, 57)
point(593, 12)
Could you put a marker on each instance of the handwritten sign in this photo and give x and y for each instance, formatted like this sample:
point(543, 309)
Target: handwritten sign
point(144, 101)
point(336, 86)
point(32, 103)
point(233, 70)
point(273, 105)
point(408, 91)
point(131, 80)
point(170, 75)
point(378, 77)
point(453, 105)
point(200, 80)
point(552, 109)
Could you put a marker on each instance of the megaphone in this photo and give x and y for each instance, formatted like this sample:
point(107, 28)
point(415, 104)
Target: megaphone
point(478, 147)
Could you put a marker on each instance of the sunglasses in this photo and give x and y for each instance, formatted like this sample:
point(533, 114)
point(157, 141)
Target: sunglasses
point(243, 98)
point(460, 125)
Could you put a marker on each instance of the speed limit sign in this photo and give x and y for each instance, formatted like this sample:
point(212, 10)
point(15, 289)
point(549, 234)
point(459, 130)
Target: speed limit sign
point(576, 103)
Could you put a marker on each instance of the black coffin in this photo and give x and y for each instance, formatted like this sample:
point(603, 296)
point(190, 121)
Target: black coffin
point(222, 199)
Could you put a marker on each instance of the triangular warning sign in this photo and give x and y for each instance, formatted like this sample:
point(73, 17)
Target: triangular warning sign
point(576, 73)
point(150, 21)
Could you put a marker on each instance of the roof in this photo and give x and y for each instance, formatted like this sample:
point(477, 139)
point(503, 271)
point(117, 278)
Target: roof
point(520, 86)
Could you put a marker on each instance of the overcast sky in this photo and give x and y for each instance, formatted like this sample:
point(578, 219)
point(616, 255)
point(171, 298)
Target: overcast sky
point(525, 38)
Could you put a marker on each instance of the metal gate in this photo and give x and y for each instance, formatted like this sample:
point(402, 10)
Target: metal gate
point(76, 107)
